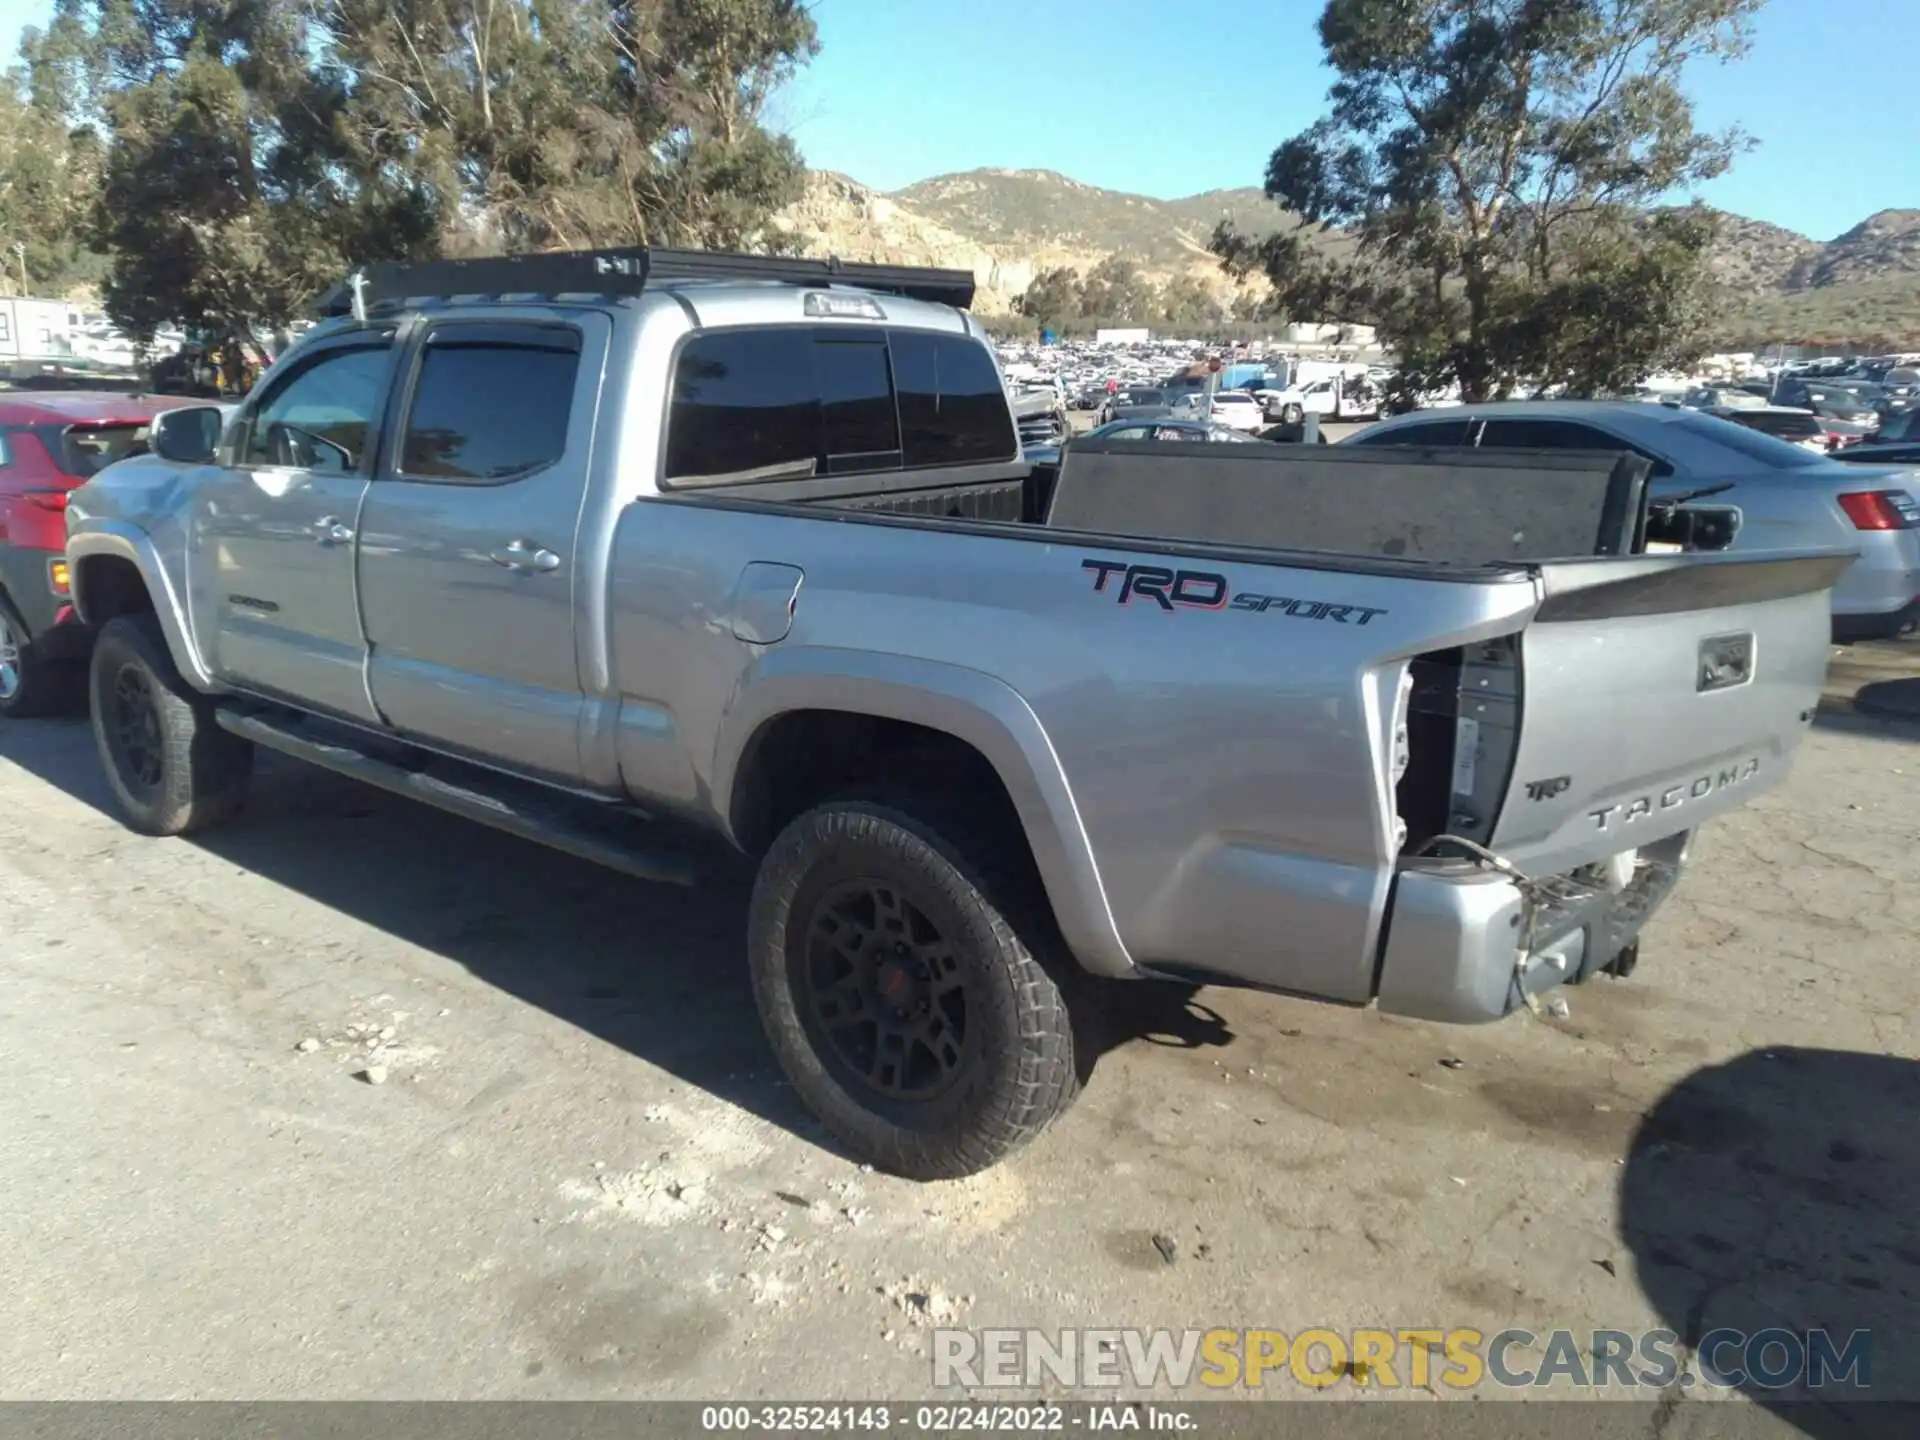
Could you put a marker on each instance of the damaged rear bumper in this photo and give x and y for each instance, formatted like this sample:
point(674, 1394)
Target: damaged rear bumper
point(1459, 947)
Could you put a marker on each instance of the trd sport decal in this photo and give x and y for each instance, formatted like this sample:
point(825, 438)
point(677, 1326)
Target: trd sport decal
point(1205, 590)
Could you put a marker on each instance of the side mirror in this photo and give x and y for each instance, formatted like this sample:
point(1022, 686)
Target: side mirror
point(190, 436)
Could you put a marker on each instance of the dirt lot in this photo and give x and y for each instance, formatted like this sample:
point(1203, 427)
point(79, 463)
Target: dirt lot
point(581, 1176)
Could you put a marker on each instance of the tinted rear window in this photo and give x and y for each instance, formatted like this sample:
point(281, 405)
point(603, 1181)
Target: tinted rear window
point(856, 404)
point(746, 405)
point(952, 408)
point(86, 450)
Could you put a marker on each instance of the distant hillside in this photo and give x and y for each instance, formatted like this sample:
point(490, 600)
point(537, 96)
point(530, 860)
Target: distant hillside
point(1881, 247)
point(1752, 257)
point(1012, 207)
point(1009, 225)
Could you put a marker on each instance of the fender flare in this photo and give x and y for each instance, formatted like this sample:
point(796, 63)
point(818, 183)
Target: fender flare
point(126, 542)
point(971, 706)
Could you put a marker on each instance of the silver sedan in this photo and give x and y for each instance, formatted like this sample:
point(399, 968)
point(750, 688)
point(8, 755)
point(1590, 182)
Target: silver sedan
point(1787, 497)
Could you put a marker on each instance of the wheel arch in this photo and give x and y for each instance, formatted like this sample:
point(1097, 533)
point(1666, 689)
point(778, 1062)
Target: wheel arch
point(117, 571)
point(971, 718)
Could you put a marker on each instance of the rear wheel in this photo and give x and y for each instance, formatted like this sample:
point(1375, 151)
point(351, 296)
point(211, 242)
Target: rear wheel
point(30, 684)
point(170, 765)
point(900, 998)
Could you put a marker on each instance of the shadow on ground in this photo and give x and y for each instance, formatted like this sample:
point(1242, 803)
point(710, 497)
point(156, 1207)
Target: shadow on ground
point(1873, 689)
point(1778, 1192)
point(657, 970)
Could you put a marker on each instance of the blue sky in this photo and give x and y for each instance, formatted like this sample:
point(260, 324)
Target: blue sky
point(1170, 100)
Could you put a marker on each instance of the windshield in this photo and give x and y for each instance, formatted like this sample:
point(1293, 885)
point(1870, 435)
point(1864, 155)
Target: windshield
point(1746, 443)
point(1143, 397)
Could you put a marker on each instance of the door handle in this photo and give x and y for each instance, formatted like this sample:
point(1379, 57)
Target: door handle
point(526, 557)
point(328, 530)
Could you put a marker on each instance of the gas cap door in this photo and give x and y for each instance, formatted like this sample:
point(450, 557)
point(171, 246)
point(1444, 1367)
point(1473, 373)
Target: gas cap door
point(763, 602)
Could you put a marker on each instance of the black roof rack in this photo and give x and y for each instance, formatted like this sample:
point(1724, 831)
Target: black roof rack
point(628, 271)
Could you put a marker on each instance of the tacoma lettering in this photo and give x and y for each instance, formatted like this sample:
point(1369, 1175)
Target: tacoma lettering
point(1674, 796)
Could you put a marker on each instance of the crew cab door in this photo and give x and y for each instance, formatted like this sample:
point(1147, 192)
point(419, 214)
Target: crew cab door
point(468, 584)
point(272, 559)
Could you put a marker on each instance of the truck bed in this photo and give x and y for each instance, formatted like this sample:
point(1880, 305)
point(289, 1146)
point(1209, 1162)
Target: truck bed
point(1461, 507)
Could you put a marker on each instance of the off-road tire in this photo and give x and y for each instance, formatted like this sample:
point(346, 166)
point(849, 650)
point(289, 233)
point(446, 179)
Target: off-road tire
point(41, 686)
point(1017, 1072)
point(199, 772)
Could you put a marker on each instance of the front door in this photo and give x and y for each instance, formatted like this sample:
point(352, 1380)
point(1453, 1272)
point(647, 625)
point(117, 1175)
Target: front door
point(273, 588)
point(468, 583)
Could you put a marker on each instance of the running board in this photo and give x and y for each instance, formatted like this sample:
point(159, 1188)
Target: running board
point(585, 829)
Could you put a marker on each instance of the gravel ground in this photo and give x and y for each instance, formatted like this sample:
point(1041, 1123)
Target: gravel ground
point(580, 1176)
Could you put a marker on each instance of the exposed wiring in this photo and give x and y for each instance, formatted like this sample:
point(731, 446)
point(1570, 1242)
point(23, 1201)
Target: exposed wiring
point(1535, 895)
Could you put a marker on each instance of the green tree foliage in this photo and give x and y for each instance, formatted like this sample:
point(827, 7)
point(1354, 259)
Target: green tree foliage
point(567, 123)
point(1115, 293)
point(257, 149)
point(1494, 162)
point(49, 176)
point(1187, 304)
point(1053, 299)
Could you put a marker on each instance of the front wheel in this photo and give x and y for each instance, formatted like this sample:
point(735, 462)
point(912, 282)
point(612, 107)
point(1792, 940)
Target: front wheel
point(170, 765)
point(900, 999)
point(1292, 415)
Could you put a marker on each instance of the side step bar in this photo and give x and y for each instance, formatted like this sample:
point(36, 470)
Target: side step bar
point(516, 807)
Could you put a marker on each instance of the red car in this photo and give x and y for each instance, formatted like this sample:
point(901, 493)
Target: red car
point(51, 441)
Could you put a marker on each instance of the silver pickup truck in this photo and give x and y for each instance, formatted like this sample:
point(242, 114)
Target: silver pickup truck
point(612, 549)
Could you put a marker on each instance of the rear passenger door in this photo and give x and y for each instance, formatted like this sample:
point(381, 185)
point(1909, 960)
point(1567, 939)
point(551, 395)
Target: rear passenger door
point(469, 585)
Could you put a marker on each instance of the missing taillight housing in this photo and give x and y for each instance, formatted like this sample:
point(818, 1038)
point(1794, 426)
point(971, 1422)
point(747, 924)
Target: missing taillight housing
point(1463, 727)
point(1880, 509)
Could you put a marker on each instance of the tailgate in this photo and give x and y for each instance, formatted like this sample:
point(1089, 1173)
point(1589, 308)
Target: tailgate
point(1656, 693)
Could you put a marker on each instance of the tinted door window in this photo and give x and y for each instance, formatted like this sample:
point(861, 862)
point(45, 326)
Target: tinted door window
point(953, 410)
point(1545, 435)
point(856, 404)
point(320, 416)
point(1433, 432)
point(746, 406)
point(1561, 435)
point(491, 403)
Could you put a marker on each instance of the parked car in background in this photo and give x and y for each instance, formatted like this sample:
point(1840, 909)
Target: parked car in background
point(1853, 413)
point(1721, 397)
point(1901, 429)
point(1783, 422)
point(1178, 429)
point(1238, 410)
point(50, 442)
point(1787, 497)
point(1143, 402)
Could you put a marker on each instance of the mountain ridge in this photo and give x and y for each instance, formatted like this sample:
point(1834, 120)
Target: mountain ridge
point(1008, 225)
